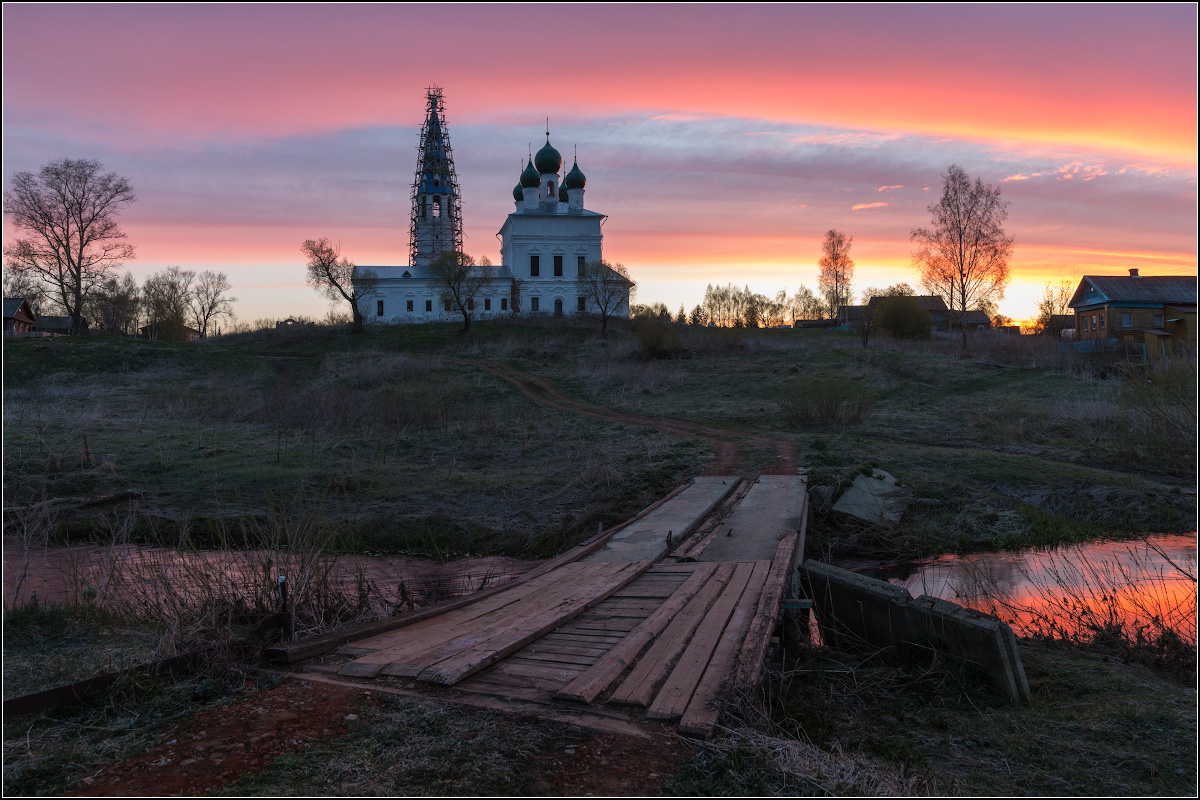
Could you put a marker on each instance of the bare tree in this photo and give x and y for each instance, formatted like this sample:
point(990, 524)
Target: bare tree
point(165, 298)
point(68, 211)
point(27, 286)
point(208, 302)
point(459, 280)
point(837, 271)
point(1055, 301)
point(334, 276)
point(805, 304)
point(607, 287)
point(964, 256)
point(115, 306)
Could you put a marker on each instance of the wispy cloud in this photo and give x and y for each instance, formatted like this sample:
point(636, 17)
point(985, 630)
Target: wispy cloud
point(865, 206)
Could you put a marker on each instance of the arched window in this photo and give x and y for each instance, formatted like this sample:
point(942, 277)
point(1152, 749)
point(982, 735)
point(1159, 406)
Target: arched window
point(558, 307)
point(437, 207)
point(550, 190)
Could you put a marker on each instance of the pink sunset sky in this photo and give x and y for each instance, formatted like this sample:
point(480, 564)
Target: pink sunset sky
point(721, 141)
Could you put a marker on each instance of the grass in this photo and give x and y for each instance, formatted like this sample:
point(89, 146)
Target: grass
point(1096, 726)
point(414, 747)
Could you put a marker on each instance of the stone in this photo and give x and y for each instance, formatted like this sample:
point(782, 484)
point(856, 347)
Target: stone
point(877, 499)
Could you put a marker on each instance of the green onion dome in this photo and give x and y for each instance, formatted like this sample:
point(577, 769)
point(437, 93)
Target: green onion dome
point(530, 178)
point(575, 178)
point(518, 195)
point(548, 160)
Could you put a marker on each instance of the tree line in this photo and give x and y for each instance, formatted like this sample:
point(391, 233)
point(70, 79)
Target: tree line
point(70, 248)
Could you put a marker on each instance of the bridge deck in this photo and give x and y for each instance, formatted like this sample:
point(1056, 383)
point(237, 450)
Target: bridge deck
point(652, 641)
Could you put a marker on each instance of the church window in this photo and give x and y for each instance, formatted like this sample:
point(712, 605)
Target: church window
point(582, 304)
point(428, 306)
point(580, 266)
point(437, 207)
point(504, 304)
point(550, 190)
point(379, 308)
point(535, 266)
point(422, 208)
point(471, 304)
point(558, 306)
point(410, 306)
point(558, 266)
point(447, 305)
point(533, 304)
point(487, 304)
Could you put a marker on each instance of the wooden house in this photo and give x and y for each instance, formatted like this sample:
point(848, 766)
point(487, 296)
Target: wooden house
point(1150, 315)
point(18, 316)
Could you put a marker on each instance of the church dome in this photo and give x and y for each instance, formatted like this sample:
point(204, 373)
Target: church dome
point(548, 160)
point(575, 178)
point(530, 178)
point(518, 195)
point(563, 197)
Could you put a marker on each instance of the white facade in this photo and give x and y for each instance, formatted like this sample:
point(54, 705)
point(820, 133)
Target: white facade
point(544, 242)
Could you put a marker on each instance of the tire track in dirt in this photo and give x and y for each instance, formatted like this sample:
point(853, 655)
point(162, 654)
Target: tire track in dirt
point(731, 460)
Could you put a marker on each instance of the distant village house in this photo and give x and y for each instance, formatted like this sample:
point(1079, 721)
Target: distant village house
point(19, 318)
point(1150, 315)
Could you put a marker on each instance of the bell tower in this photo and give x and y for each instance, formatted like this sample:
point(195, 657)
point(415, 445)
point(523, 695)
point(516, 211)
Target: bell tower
point(436, 205)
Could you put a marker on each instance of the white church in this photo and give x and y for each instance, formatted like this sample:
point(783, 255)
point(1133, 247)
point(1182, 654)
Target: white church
point(545, 241)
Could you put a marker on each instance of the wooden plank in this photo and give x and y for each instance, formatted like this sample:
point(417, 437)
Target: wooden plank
point(468, 612)
point(412, 663)
point(638, 687)
point(539, 647)
point(646, 604)
point(754, 650)
point(671, 700)
point(508, 690)
point(458, 666)
point(582, 638)
point(700, 716)
point(418, 638)
point(560, 675)
point(587, 687)
point(577, 661)
point(617, 624)
point(663, 568)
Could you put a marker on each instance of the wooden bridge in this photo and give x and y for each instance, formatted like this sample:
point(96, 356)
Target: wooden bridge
point(652, 620)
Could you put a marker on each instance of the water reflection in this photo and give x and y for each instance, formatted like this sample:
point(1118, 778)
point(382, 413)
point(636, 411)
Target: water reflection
point(1070, 590)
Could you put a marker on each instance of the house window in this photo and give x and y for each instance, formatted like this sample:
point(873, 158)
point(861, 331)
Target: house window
point(428, 306)
point(581, 266)
point(504, 304)
point(558, 266)
point(533, 304)
point(487, 304)
point(447, 305)
point(1093, 322)
point(1127, 320)
point(379, 308)
point(1158, 320)
point(1102, 321)
point(582, 304)
point(535, 266)
point(410, 302)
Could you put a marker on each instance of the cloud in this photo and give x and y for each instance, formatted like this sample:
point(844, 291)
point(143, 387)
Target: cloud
point(885, 188)
point(864, 206)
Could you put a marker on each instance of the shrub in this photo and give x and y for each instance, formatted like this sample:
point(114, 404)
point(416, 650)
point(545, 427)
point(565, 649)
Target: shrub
point(824, 401)
point(903, 317)
point(658, 339)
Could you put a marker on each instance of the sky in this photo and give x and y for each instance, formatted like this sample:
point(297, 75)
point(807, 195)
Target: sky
point(721, 141)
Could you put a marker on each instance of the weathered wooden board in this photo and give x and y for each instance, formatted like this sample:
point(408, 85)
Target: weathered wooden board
point(700, 715)
point(758, 638)
point(671, 700)
point(587, 687)
point(453, 669)
point(638, 687)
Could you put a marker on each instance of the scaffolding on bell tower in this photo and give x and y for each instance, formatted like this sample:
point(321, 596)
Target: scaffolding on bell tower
point(436, 204)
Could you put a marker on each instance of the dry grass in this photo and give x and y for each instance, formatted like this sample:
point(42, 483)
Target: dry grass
point(823, 402)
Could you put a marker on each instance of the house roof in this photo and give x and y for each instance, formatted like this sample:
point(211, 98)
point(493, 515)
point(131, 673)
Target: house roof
point(930, 303)
point(972, 317)
point(13, 304)
point(1100, 289)
point(54, 322)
